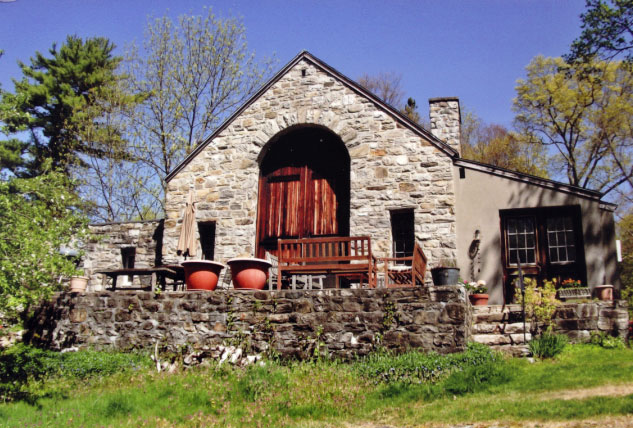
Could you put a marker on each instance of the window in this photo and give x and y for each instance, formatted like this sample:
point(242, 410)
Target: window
point(206, 229)
point(561, 240)
point(128, 254)
point(402, 231)
point(547, 241)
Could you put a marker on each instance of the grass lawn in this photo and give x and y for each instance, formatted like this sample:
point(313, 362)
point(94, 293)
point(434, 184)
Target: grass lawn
point(583, 382)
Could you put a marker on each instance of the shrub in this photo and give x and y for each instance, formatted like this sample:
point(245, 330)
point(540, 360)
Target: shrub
point(606, 341)
point(21, 364)
point(477, 378)
point(547, 345)
point(418, 367)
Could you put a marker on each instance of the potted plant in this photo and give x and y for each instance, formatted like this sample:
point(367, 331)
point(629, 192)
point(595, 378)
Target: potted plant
point(445, 273)
point(572, 289)
point(78, 283)
point(477, 292)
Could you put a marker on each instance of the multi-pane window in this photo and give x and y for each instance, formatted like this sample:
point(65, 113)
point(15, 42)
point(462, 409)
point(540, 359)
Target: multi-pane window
point(521, 240)
point(561, 240)
point(548, 242)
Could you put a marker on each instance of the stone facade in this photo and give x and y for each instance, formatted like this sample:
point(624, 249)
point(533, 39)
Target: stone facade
point(347, 322)
point(392, 166)
point(502, 326)
point(104, 250)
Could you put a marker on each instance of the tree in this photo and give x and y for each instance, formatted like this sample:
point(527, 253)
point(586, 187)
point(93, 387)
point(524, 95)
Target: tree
point(39, 217)
point(386, 86)
point(193, 74)
point(584, 117)
point(494, 145)
point(50, 100)
point(607, 32)
point(410, 110)
point(625, 233)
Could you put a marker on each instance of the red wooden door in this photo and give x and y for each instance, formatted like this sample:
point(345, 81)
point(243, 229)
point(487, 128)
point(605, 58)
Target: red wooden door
point(296, 202)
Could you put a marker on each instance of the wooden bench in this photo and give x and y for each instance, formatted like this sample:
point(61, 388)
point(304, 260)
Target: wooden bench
point(405, 271)
point(342, 256)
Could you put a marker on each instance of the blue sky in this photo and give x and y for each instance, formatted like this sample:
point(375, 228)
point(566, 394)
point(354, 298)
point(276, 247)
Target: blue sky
point(475, 50)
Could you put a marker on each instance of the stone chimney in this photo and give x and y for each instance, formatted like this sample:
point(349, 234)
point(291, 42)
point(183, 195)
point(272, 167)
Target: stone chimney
point(446, 120)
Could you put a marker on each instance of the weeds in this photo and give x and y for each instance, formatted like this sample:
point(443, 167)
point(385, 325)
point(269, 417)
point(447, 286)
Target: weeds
point(547, 345)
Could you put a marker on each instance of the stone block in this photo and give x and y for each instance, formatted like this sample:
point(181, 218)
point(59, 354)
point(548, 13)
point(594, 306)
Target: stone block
point(492, 339)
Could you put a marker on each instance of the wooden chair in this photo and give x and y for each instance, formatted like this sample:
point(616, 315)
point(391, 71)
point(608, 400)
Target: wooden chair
point(398, 273)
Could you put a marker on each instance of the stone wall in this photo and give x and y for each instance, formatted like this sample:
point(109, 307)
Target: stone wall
point(502, 326)
point(391, 167)
point(104, 250)
point(348, 322)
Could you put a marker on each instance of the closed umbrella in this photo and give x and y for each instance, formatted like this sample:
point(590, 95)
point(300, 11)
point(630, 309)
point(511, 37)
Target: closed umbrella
point(187, 244)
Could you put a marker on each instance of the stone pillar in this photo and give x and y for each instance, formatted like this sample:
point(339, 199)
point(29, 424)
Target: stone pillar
point(446, 120)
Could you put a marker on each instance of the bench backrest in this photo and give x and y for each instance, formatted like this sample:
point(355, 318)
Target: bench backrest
point(324, 250)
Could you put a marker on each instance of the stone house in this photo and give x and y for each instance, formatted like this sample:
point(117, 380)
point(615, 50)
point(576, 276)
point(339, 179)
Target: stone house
point(313, 153)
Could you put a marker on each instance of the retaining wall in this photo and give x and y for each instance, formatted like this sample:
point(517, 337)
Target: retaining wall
point(501, 327)
point(347, 322)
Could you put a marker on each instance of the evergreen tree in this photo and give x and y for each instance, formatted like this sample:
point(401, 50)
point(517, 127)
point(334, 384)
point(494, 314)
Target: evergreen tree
point(52, 102)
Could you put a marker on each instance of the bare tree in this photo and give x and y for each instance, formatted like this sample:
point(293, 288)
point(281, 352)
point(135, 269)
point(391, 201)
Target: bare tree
point(386, 86)
point(193, 73)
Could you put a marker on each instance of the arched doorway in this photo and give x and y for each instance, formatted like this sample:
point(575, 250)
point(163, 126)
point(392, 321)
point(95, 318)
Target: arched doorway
point(303, 188)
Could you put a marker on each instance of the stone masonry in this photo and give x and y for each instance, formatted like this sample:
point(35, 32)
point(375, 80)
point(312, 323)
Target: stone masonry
point(104, 250)
point(391, 167)
point(347, 322)
point(445, 117)
point(502, 326)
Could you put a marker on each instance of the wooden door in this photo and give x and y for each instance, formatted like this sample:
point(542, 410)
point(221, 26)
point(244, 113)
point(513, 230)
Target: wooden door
point(303, 190)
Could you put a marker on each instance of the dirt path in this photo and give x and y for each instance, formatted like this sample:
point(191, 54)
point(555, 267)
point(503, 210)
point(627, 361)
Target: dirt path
point(571, 394)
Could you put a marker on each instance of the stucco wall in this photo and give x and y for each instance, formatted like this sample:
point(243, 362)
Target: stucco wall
point(391, 167)
point(480, 196)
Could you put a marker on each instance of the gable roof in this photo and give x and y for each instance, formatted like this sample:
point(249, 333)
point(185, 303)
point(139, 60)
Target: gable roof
point(349, 83)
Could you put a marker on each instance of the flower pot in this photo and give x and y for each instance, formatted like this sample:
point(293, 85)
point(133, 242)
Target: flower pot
point(78, 284)
point(604, 292)
point(478, 299)
point(202, 274)
point(445, 276)
point(249, 273)
point(574, 293)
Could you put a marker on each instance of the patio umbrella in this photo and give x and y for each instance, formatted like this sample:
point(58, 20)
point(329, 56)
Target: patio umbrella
point(187, 243)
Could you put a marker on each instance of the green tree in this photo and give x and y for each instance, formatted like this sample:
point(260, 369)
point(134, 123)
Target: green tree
point(194, 73)
point(585, 118)
point(410, 110)
point(607, 32)
point(39, 216)
point(625, 233)
point(52, 100)
point(494, 145)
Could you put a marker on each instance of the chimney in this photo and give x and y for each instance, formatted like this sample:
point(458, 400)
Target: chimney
point(446, 120)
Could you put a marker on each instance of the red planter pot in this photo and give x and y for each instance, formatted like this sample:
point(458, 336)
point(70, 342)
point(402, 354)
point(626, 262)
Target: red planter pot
point(478, 299)
point(249, 273)
point(604, 292)
point(202, 274)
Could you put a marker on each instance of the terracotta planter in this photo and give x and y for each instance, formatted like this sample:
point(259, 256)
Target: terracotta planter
point(478, 299)
point(445, 275)
point(604, 292)
point(78, 284)
point(249, 273)
point(202, 274)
